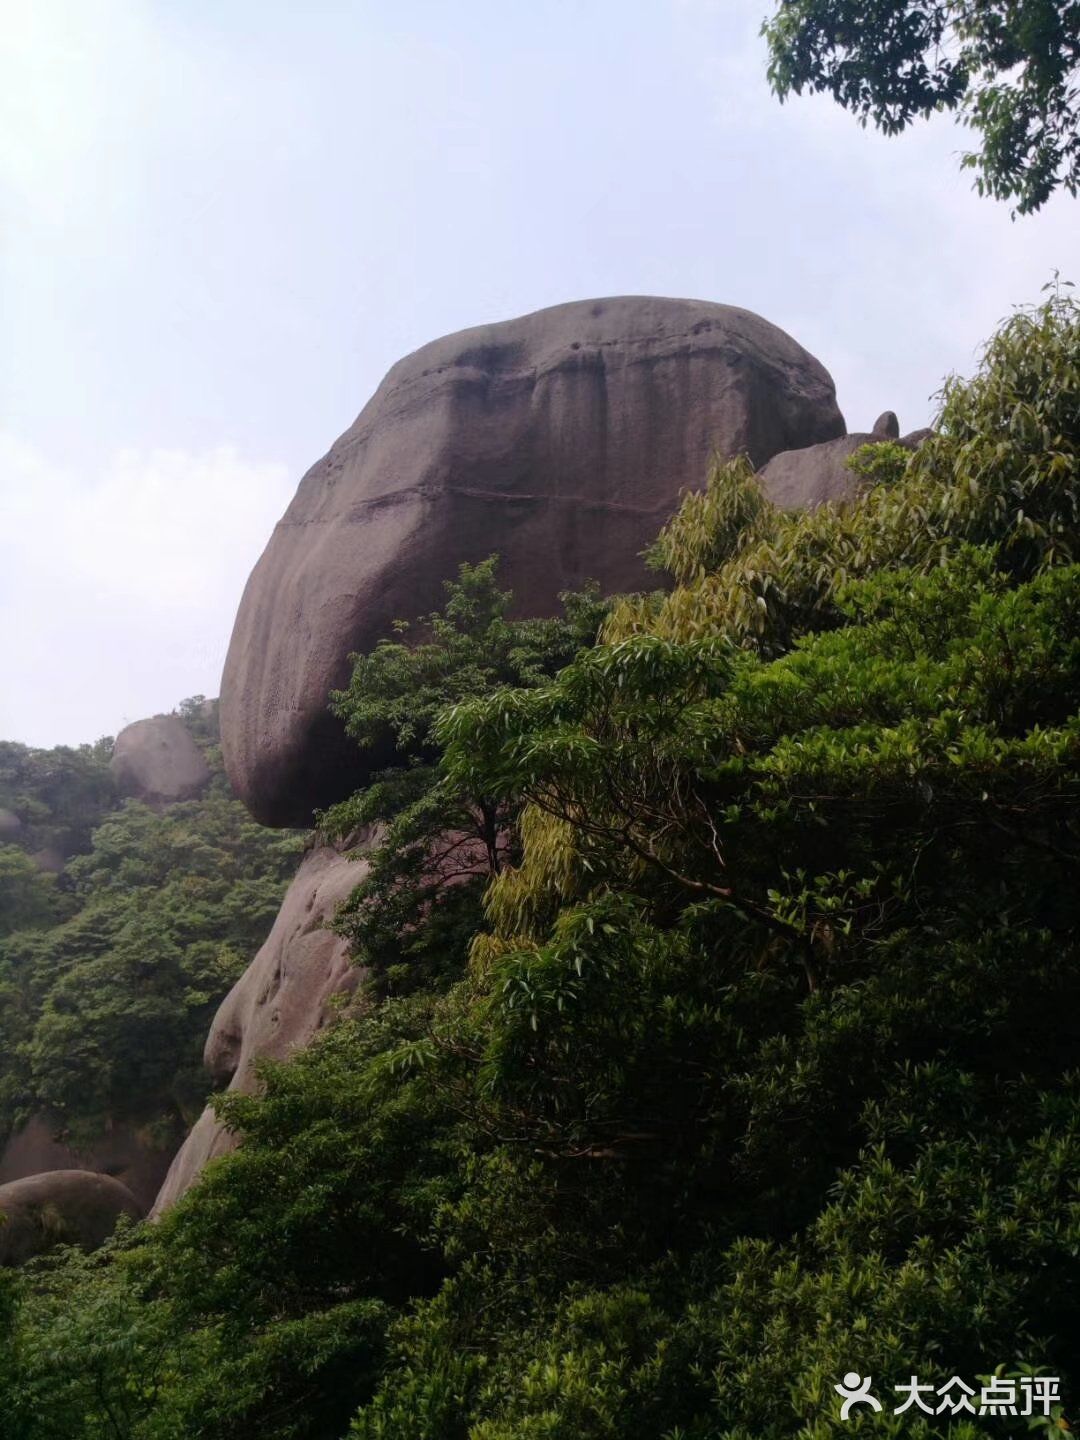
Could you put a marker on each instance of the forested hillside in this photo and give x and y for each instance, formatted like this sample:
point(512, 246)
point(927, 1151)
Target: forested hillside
point(115, 956)
point(757, 1066)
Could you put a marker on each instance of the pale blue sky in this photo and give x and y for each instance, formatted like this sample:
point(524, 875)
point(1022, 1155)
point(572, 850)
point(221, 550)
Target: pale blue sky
point(223, 222)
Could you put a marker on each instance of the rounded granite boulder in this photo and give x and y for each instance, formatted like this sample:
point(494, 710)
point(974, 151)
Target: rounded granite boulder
point(60, 1207)
point(560, 441)
point(820, 474)
point(138, 1157)
point(158, 761)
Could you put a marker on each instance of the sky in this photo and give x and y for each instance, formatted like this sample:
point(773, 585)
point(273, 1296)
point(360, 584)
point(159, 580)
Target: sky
point(221, 221)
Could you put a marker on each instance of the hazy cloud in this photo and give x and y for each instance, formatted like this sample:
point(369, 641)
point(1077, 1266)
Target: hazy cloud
point(115, 587)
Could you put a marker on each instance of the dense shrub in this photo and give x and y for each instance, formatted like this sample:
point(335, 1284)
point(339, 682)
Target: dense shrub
point(111, 970)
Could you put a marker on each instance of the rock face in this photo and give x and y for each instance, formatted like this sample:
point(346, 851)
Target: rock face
point(560, 440)
point(819, 474)
point(124, 1153)
point(49, 860)
point(157, 761)
point(71, 1207)
point(278, 1004)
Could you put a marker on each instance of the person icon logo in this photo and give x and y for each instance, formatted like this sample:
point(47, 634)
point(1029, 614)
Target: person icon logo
point(856, 1391)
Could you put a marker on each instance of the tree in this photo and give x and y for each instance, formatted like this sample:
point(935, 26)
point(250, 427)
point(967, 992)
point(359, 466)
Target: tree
point(414, 914)
point(29, 897)
point(1010, 68)
point(58, 796)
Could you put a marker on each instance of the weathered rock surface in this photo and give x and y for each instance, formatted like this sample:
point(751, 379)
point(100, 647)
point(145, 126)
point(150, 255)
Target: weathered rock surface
point(278, 1004)
point(10, 825)
point(124, 1153)
point(50, 860)
point(818, 474)
point(560, 440)
point(157, 761)
point(71, 1207)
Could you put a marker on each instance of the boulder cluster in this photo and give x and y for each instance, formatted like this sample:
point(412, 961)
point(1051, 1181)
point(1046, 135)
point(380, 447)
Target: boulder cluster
point(561, 441)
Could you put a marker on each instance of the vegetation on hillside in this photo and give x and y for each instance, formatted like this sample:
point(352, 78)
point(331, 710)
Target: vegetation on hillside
point(762, 1066)
point(111, 969)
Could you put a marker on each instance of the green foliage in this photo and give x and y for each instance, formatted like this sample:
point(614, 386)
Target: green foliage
point(83, 1310)
point(29, 896)
point(1002, 473)
point(57, 796)
point(111, 971)
point(260, 1306)
point(766, 1067)
point(1008, 67)
point(410, 920)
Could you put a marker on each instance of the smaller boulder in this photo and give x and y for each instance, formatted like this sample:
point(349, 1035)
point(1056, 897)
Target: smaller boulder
point(157, 761)
point(138, 1157)
point(60, 1207)
point(10, 825)
point(916, 437)
point(285, 996)
point(819, 474)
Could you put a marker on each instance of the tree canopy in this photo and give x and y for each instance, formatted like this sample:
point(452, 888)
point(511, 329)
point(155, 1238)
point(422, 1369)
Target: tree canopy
point(111, 969)
point(1009, 68)
point(411, 918)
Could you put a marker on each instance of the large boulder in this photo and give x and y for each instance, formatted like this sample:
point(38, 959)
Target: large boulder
point(560, 440)
point(820, 474)
point(61, 1207)
point(285, 996)
point(139, 1158)
point(158, 761)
